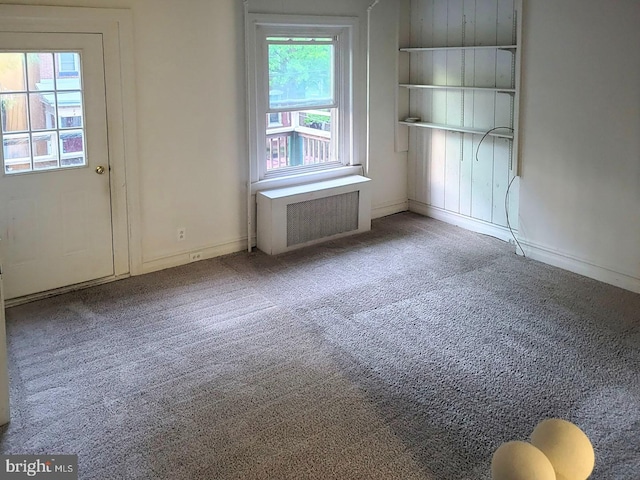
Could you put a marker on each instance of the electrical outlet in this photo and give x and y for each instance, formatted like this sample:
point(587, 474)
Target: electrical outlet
point(195, 256)
point(182, 234)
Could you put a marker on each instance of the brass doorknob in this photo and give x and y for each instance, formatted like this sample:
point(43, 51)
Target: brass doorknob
point(100, 170)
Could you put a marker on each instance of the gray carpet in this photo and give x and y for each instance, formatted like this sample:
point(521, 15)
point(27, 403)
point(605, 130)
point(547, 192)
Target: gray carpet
point(410, 352)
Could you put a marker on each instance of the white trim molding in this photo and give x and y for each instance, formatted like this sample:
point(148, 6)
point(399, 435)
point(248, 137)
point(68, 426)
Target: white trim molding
point(304, 178)
point(389, 208)
point(203, 253)
point(479, 226)
point(580, 266)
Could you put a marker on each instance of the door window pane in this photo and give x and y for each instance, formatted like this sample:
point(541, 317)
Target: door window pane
point(72, 148)
point(72, 142)
point(40, 70)
point(70, 109)
point(67, 71)
point(12, 72)
point(45, 150)
point(14, 112)
point(16, 153)
point(67, 62)
point(42, 108)
point(41, 103)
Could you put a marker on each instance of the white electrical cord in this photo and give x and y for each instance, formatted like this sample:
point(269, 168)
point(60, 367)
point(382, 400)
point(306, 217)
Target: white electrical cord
point(506, 209)
point(506, 197)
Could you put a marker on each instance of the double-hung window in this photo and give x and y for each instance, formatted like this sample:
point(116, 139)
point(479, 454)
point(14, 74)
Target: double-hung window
point(300, 94)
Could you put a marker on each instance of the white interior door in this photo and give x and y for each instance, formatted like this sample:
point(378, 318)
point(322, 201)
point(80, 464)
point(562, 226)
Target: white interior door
point(55, 205)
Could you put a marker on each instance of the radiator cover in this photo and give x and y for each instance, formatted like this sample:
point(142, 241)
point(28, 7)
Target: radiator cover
point(293, 217)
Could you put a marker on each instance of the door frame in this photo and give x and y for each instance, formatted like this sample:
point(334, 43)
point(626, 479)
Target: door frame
point(116, 28)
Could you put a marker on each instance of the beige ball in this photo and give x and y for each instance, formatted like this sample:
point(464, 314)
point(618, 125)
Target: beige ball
point(520, 461)
point(567, 448)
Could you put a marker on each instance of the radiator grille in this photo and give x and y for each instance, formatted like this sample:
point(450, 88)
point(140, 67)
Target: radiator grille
point(322, 217)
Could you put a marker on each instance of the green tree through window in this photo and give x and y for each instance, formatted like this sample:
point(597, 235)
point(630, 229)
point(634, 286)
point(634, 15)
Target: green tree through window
point(300, 73)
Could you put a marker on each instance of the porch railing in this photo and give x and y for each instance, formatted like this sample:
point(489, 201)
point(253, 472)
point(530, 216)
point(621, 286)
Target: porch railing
point(295, 148)
point(278, 148)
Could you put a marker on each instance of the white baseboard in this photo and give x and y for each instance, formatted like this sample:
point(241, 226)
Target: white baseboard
point(580, 266)
point(533, 251)
point(391, 208)
point(463, 221)
point(185, 257)
point(14, 302)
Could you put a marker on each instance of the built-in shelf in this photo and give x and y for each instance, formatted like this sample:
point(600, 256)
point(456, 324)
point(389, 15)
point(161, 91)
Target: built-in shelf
point(500, 133)
point(451, 87)
point(475, 47)
point(457, 99)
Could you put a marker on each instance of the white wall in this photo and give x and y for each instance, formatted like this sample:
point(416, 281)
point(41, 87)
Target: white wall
point(580, 133)
point(192, 143)
point(191, 119)
point(388, 168)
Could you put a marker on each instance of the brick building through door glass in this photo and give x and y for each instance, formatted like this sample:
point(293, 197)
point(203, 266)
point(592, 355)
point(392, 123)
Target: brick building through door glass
point(41, 105)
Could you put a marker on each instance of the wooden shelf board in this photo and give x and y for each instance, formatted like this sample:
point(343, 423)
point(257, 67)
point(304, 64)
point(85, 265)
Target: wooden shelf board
point(502, 133)
point(450, 87)
point(474, 47)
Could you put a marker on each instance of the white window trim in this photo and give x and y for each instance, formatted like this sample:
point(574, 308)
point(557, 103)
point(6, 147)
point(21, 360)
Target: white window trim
point(258, 26)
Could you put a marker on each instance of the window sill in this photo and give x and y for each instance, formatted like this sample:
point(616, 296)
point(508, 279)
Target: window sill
point(302, 178)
